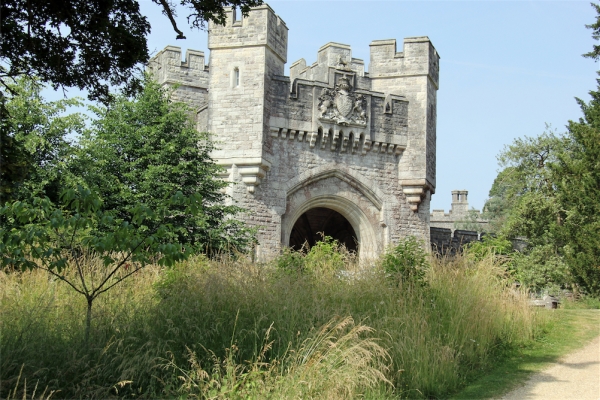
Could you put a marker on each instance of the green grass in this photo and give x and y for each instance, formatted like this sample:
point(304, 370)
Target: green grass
point(569, 329)
point(291, 329)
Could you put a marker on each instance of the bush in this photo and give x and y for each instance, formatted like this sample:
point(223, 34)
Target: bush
point(326, 257)
point(407, 261)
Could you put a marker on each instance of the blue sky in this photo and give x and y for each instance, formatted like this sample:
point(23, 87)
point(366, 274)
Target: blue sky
point(507, 67)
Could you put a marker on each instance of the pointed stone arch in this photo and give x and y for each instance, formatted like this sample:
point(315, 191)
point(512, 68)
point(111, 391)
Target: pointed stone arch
point(345, 192)
point(373, 193)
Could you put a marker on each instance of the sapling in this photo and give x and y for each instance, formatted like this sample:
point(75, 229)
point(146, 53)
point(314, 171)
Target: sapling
point(40, 234)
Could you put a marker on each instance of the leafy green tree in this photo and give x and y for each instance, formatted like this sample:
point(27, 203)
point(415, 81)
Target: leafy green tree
point(142, 150)
point(522, 199)
point(35, 142)
point(523, 205)
point(548, 193)
point(49, 237)
point(89, 44)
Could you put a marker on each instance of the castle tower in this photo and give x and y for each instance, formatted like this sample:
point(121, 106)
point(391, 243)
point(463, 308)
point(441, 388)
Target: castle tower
point(460, 203)
point(414, 72)
point(244, 56)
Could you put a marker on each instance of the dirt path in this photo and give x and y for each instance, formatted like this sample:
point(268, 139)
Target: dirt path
point(576, 376)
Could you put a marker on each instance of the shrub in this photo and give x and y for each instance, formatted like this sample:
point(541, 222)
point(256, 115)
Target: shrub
point(407, 261)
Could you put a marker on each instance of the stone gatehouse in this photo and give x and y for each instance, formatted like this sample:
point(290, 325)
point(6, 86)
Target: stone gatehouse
point(331, 148)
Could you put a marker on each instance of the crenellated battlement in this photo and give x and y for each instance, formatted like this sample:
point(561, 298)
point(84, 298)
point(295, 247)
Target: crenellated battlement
point(167, 67)
point(262, 27)
point(330, 56)
point(418, 57)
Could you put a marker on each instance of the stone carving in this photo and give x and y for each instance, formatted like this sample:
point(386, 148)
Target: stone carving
point(326, 104)
point(342, 106)
point(342, 63)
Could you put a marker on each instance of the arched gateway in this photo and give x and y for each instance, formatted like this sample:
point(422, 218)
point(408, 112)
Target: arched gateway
point(331, 148)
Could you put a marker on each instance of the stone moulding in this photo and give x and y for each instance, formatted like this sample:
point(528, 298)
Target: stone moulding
point(327, 171)
point(354, 142)
point(415, 190)
point(251, 170)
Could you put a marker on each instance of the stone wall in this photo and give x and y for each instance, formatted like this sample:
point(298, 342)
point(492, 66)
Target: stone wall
point(329, 136)
point(444, 241)
point(459, 214)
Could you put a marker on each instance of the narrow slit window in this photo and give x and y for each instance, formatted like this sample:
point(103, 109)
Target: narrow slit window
point(236, 77)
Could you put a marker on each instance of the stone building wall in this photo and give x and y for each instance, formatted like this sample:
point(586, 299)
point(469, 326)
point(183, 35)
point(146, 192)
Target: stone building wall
point(329, 136)
point(459, 213)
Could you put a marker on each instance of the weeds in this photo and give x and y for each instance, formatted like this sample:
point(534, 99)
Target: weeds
point(234, 329)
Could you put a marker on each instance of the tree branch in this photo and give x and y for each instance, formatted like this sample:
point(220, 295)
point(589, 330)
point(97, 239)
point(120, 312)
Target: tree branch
point(119, 281)
point(62, 278)
point(119, 265)
point(169, 13)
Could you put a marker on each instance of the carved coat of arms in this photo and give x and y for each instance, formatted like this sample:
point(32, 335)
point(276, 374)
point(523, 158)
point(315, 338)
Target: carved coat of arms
point(342, 106)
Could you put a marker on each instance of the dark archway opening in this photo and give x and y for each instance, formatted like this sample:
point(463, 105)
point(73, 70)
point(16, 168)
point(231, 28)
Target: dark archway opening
point(309, 226)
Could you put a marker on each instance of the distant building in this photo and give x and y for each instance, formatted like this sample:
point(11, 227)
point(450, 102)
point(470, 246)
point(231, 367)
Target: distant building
point(450, 232)
point(459, 217)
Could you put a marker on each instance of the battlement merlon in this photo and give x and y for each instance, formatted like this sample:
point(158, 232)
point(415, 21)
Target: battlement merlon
point(418, 58)
point(262, 27)
point(330, 55)
point(168, 68)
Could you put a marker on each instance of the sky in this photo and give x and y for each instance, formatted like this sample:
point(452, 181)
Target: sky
point(507, 68)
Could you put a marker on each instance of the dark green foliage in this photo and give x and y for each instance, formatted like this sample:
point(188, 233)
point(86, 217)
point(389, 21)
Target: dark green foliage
point(89, 44)
point(35, 142)
point(548, 193)
point(524, 185)
point(490, 245)
point(595, 27)
point(326, 257)
point(577, 177)
point(523, 205)
point(407, 261)
point(542, 269)
point(145, 149)
point(74, 43)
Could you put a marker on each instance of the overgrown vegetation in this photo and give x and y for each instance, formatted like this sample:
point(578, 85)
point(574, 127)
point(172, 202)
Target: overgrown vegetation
point(233, 329)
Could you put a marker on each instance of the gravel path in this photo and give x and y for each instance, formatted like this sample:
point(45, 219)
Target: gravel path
point(576, 376)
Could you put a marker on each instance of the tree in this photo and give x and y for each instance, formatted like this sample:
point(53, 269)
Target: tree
point(88, 44)
point(577, 177)
point(523, 205)
point(522, 197)
point(139, 187)
point(471, 222)
point(42, 235)
point(549, 193)
point(35, 142)
point(142, 150)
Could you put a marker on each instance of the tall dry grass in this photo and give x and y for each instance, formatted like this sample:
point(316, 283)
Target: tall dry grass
point(233, 329)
